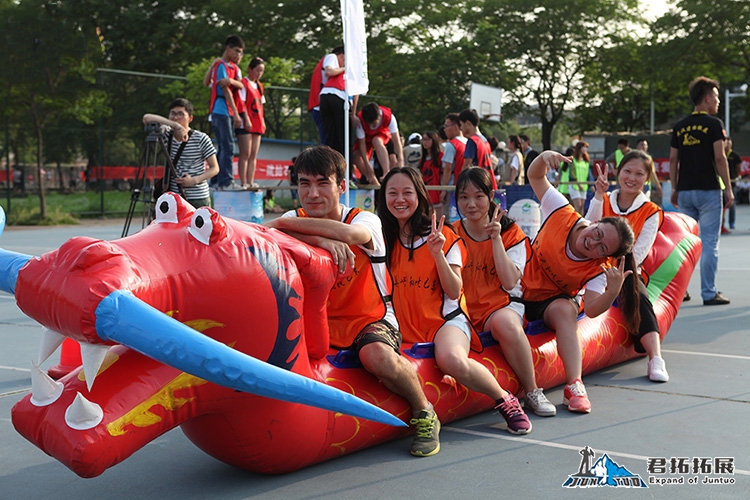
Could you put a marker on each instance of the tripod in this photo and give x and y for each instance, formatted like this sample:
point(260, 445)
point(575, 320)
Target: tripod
point(145, 178)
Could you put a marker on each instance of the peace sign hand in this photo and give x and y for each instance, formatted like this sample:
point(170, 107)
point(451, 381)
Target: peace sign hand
point(494, 228)
point(436, 239)
point(602, 181)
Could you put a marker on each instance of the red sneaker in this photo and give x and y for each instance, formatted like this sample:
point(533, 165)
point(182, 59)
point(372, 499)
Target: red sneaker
point(575, 397)
point(725, 230)
point(510, 409)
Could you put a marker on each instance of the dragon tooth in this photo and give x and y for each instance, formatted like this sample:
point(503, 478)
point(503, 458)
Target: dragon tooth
point(51, 340)
point(44, 390)
point(92, 356)
point(82, 414)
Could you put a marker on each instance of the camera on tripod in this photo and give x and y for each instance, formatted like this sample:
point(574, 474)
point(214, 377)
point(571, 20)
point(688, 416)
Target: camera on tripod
point(148, 186)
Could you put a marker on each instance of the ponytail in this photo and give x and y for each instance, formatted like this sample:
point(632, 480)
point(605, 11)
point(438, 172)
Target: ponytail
point(629, 296)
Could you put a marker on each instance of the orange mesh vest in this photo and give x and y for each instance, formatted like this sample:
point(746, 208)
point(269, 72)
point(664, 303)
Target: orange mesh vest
point(417, 294)
point(356, 300)
point(550, 271)
point(483, 290)
point(637, 218)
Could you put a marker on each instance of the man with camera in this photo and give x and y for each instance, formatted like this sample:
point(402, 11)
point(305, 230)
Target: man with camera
point(189, 150)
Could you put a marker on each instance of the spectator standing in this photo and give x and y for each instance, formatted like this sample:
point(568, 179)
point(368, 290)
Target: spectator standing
point(514, 169)
point(579, 171)
point(190, 151)
point(453, 156)
point(529, 154)
point(253, 120)
point(697, 162)
point(223, 111)
point(431, 165)
point(735, 164)
point(477, 152)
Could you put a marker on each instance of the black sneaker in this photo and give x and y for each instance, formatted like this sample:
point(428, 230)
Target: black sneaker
point(718, 300)
point(686, 297)
point(427, 439)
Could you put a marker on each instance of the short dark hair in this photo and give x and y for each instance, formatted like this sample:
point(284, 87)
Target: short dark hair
point(701, 86)
point(234, 41)
point(452, 117)
point(370, 112)
point(469, 115)
point(624, 141)
point(523, 137)
point(338, 50)
point(321, 160)
point(181, 102)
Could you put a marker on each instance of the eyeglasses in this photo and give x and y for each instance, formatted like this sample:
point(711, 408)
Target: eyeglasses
point(448, 125)
point(177, 114)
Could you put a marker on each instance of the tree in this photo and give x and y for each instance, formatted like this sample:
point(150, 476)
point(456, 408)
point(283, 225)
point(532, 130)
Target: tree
point(48, 72)
point(550, 43)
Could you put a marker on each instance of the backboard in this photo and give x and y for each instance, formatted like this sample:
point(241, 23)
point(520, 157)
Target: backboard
point(487, 101)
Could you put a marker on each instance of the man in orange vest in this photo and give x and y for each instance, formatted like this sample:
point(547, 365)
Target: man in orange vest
point(360, 308)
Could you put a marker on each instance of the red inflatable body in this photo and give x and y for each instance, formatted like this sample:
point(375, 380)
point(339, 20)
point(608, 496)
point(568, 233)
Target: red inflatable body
point(263, 294)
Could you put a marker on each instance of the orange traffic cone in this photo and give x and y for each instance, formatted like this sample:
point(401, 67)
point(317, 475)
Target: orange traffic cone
point(70, 359)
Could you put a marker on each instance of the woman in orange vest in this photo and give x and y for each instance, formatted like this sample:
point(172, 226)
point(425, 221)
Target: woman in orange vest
point(568, 254)
point(498, 250)
point(425, 257)
point(645, 217)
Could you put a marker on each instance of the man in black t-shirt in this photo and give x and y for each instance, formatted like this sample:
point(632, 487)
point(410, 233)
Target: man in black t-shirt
point(696, 162)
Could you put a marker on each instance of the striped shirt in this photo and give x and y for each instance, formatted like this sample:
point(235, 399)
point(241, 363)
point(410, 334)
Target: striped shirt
point(192, 161)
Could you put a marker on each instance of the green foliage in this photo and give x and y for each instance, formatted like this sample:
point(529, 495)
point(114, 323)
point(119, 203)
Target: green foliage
point(578, 65)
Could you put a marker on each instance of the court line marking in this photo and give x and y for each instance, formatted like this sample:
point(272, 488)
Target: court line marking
point(708, 354)
point(15, 368)
point(561, 446)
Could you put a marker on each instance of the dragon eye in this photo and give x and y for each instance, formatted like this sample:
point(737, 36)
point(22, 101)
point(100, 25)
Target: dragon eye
point(166, 209)
point(201, 226)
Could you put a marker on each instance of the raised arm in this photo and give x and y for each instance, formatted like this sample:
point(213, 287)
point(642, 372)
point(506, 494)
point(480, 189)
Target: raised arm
point(537, 171)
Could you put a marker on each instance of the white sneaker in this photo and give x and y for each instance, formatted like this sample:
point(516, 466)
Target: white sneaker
point(539, 404)
point(657, 370)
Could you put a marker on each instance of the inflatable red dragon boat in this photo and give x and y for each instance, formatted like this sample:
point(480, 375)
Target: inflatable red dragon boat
point(219, 327)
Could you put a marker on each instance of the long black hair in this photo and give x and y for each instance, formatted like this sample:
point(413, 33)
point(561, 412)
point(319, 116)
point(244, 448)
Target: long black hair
point(419, 224)
point(629, 295)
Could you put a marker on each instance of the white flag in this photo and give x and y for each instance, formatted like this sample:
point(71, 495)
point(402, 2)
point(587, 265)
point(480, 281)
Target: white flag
point(355, 47)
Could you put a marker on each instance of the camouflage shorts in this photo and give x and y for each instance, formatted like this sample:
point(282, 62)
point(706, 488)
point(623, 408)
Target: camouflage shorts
point(380, 331)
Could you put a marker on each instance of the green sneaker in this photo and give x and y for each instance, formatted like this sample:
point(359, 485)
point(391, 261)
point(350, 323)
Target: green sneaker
point(426, 441)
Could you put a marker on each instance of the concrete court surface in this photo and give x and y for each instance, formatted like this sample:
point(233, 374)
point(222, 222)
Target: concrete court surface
point(702, 412)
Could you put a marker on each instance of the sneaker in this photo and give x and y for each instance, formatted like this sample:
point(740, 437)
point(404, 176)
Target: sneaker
point(539, 404)
point(657, 370)
point(510, 409)
point(717, 300)
point(426, 441)
point(575, 397)
point(725, 230)
point(687, 296)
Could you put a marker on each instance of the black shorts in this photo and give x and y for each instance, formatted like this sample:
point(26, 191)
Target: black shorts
point(535, 310)
point(380, 331)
